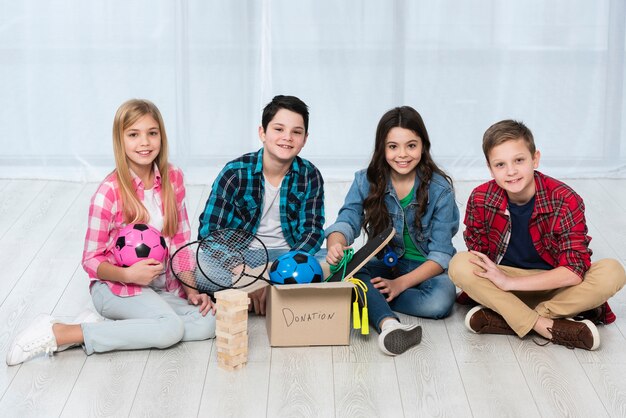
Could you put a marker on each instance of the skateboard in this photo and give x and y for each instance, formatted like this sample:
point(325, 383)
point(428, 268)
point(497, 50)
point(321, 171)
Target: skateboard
point(365, 254)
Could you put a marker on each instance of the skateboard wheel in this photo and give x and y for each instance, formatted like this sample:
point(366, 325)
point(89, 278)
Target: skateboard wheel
point(390, 258)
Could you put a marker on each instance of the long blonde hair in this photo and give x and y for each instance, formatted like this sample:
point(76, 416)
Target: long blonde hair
point(133, 209)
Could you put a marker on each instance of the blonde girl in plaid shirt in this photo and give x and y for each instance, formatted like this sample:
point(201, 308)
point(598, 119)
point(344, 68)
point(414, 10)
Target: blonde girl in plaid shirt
point(145, 305)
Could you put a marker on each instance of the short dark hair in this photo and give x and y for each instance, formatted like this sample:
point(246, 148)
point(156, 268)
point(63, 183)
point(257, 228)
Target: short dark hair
point(285, 102)
point(507, 130)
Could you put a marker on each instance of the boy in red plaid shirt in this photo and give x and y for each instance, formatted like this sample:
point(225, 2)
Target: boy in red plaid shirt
point(529, 263)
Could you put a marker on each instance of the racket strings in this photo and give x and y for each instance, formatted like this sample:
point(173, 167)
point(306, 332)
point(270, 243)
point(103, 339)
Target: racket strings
point(221, 261)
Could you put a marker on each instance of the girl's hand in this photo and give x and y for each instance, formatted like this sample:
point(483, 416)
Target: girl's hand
point(389, 288)
point(489, 270)
point(143, 272)
point(335, 253)
point(202, 301)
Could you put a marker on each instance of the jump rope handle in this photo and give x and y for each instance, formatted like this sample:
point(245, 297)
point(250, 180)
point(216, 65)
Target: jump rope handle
point(360, 321)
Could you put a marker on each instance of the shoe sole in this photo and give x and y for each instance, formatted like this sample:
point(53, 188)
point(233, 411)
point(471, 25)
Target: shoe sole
point(594, 332)
point(400, 340)
point(469, 314)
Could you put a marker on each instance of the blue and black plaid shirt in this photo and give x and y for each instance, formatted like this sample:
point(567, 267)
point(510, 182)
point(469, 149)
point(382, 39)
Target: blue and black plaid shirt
point(236, 201)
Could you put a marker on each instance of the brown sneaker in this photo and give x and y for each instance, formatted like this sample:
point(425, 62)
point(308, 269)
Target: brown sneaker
point(600, 315)
point(595, 315)
point(463, 299)
point(575, 334)
point(483, 320)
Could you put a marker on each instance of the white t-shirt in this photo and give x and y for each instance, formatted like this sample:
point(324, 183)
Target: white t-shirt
point(270, 232)
point(156, 220)
point(154, 209)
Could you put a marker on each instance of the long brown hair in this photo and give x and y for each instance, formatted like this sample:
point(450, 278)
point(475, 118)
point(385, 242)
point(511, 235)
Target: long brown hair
point(133, 209)
point(377, 216)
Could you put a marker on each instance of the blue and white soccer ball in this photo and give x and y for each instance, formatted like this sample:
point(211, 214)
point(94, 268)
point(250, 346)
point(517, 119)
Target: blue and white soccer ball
point(296, 267)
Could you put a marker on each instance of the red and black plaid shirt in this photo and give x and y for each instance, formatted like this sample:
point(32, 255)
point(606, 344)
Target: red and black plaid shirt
point(557, 224)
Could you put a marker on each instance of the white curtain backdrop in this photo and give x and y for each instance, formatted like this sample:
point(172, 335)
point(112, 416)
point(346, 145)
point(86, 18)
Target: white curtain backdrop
point(211, 66)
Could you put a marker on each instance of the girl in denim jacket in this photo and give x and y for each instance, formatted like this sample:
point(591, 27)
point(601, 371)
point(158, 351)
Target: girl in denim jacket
point(402, 187)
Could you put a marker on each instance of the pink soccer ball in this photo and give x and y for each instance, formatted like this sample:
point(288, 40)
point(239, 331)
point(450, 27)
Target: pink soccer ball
point(137, 242)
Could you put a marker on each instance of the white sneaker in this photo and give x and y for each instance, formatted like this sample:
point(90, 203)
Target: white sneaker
point(37, 338)
point(398, 338)
point(86, 316)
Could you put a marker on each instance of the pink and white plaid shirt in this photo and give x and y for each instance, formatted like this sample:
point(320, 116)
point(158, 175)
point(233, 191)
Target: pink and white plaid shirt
point(106, 220)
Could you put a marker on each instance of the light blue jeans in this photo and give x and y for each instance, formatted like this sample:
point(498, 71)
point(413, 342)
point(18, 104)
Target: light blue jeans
point(432, 298)
point(152, 319)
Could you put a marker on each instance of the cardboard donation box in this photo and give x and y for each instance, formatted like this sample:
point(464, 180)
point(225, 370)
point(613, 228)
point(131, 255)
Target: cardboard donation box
point(309, 314)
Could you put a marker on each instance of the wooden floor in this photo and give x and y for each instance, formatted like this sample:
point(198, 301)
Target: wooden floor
point(451, 373)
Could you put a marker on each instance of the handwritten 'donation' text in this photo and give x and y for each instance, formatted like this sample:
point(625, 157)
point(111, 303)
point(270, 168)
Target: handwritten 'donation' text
point(292, 317)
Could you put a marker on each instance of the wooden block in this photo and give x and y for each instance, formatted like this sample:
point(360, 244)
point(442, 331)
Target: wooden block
point(229, 364)
point(231, 328)
point(233, 351)
point(241, 361)
point(232, 300)
point(232, 360)
point(231, 317)
point(233, 306)
point(230, 368)
point(229, 340)
point(232, 295)
point(226, 344)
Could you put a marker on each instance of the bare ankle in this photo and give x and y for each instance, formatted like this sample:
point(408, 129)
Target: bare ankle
point(57, 330)
point(67, 333)
point(542, 325)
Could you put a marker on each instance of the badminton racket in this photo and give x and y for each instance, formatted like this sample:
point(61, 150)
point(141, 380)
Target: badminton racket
point(224, 259)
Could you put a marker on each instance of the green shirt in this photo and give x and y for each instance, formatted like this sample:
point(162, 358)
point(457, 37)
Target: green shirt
point(410, 250)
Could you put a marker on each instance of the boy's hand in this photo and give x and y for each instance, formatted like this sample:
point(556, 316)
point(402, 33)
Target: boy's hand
point(202, 301)
point(334, 253)
point(489, 270)
point(389, 288)
point(143, 272)
point(257, 301)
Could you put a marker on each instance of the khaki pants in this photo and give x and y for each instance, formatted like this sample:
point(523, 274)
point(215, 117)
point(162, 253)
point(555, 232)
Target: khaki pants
point(522, 309)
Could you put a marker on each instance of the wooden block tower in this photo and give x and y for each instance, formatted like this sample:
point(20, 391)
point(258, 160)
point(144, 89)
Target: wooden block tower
point(232, 328)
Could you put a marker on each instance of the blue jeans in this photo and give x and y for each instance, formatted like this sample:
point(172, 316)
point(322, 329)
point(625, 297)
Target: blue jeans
point(432, 298)
point(151, 319)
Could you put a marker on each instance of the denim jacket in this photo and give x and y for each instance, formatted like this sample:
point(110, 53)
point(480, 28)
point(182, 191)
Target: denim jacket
point(440, 222)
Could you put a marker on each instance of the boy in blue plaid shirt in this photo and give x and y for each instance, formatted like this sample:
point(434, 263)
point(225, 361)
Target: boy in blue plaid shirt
point(272, 193)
